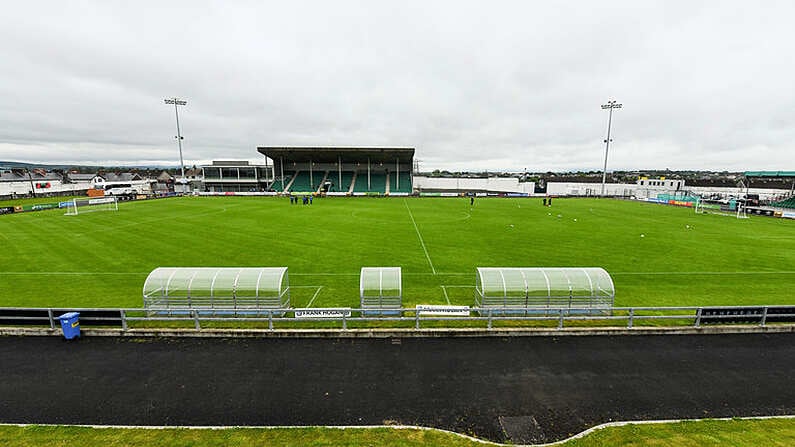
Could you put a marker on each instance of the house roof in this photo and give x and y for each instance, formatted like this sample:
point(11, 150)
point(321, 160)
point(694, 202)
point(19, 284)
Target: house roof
point(120, 176)
point(79, 177)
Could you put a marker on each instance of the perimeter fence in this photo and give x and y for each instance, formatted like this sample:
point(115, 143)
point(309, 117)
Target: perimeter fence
point(416, 318)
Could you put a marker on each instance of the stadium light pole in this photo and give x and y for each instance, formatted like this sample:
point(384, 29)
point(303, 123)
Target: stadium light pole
point(178, 102)
point(610, 105)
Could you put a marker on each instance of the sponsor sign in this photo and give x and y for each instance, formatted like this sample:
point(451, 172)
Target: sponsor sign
point(6, 210)
point(336, 194)
point(450, 194)
point(43, 206)
point(431, 310)
point(517, 194)
point(680, 203)
point(324, 313)
point(64, 204)
point(430, 194)
point(788, 215)
point(399, 194)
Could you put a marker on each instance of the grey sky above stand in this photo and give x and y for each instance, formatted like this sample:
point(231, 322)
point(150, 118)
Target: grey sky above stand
point(471, 85)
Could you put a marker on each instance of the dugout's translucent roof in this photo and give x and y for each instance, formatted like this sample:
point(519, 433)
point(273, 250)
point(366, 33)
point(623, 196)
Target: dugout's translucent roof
point(544, 282)
point(216, 282)
point(380, 282)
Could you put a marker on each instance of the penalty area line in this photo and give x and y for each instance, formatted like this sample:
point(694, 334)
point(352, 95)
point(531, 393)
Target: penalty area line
point(317, 292)
point(444, 289)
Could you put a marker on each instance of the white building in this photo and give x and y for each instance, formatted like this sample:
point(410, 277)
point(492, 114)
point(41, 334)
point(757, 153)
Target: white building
point(650, 188)
point(642, 189)
point(39, 182)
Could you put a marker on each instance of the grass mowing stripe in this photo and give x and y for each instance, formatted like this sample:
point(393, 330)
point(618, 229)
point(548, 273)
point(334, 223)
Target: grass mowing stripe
point(683, 260)
point(419, 236)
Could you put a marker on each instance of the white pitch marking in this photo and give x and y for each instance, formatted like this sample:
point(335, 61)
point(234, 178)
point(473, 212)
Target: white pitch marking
point(445, 295)
point(420, 236)
point(314, 296)
point(778, 272)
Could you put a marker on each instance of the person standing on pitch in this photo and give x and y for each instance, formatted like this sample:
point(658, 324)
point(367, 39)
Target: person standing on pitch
point(471, 201)
point(545, 201)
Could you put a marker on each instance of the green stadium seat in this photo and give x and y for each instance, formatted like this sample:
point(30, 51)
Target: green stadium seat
point(377, 182)
point(786, 203)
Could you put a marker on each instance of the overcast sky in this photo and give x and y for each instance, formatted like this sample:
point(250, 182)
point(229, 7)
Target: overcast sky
point(470, 85)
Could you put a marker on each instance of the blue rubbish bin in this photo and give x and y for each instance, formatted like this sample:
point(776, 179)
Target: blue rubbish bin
point(70, 323)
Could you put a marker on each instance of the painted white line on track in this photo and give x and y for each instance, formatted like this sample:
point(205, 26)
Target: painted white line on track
point(427, 256)
point(314, 296)
point(399, 427)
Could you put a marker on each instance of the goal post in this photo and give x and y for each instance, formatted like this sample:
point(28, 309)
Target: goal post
point(733, 208)
point(79, 206)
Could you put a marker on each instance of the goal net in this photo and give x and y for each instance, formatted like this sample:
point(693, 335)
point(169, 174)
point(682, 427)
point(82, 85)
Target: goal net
point(80, 206)
point(731, 208)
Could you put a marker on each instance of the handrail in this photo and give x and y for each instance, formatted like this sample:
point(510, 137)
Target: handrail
point(758, 315)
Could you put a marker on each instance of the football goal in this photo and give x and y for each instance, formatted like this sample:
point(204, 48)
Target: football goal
point(731, 208)
point(80, 206)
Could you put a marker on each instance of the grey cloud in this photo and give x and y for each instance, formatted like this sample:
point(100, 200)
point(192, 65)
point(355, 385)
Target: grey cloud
point(509, 85)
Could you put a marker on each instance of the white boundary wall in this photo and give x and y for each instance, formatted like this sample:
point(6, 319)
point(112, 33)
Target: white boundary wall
point(611, 189)
point(463, 184)
point(644, 192)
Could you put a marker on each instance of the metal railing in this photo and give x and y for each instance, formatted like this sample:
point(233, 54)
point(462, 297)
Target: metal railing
point(344, 318)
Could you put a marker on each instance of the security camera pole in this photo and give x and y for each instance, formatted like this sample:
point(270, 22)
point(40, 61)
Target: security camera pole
point(610, 105)
point(178, 102)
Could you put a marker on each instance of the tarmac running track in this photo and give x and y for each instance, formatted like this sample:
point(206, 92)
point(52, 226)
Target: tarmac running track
point(518, 389)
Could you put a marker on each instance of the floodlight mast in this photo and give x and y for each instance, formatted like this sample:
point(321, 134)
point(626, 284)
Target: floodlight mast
point(178, 102)
point(610, 105)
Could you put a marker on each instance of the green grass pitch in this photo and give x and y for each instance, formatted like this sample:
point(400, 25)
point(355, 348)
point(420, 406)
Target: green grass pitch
point(657, 255)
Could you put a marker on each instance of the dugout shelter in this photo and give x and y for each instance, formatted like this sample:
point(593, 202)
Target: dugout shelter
point(381, 290)
point(341, 170)
point(534, 290)
point(217, 289)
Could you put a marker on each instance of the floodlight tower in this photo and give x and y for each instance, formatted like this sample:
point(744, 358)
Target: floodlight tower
point(178, 102)
point(610, 105)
